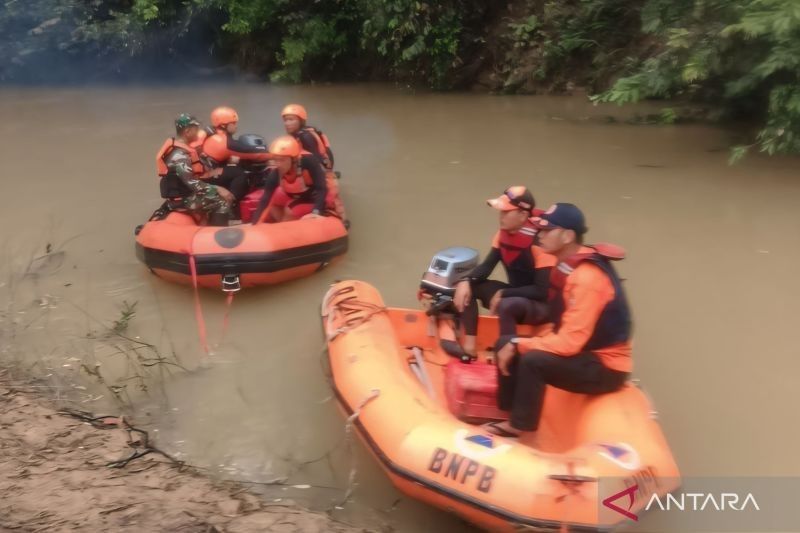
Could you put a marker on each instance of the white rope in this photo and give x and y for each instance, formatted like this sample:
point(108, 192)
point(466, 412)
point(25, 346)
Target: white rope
point(348, 432)
point(368, 308)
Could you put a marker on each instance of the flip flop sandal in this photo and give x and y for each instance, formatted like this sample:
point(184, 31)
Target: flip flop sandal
point(495, 429)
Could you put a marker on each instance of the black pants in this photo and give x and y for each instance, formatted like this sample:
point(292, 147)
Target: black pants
point(511, 311)
point(517, 310)
point(522, 392)
point(483, 291)
point(234, 179)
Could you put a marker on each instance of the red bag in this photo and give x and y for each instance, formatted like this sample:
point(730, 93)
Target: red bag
point(471, 390)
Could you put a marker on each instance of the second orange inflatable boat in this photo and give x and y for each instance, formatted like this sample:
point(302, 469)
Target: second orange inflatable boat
point(178, 249)
point(393, 380)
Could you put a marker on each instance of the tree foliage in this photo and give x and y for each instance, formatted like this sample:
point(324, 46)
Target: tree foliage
point(743, 56)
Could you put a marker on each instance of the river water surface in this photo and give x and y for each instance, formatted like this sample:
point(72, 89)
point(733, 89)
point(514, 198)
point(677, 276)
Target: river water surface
point(711, 268)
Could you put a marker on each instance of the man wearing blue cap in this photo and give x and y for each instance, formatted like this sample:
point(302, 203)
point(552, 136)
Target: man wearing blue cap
point(589, 349)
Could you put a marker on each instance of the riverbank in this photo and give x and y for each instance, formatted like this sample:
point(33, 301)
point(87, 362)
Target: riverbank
point(55, 476)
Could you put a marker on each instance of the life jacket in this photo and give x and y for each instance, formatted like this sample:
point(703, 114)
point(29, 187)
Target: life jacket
point(170, 184)
point(298, 181)
point(512, 245)
point(220, 146)
point(214, 150)
point(517, 253)
point(323, 145)
point(614, 323)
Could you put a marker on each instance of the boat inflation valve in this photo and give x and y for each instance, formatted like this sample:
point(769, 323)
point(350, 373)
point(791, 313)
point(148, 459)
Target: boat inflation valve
point(230, 283)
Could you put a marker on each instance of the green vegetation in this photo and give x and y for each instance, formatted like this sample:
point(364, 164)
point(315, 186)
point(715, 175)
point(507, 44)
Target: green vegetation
point(743, 55)
point(739, 59)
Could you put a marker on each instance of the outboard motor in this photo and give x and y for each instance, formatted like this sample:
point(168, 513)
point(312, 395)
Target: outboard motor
point(254, 141)
point(437, 291)
point(447, 268)
point(255, 170)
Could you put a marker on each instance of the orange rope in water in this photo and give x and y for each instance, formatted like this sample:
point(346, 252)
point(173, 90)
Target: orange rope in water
point(198, 309)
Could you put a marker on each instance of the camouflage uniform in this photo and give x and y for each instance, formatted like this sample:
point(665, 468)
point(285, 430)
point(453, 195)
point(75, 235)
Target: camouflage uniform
point(205, 197)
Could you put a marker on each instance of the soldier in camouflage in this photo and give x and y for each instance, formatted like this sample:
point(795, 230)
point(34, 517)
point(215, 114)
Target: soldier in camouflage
point(192, 193)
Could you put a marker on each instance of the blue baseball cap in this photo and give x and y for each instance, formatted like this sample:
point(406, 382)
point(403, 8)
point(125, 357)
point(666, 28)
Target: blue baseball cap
point(561, 215)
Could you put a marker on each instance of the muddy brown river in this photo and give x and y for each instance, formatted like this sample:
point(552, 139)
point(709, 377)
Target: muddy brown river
point(711, 270)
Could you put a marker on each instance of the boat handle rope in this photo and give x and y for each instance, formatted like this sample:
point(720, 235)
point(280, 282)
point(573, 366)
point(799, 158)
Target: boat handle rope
point(354, 305)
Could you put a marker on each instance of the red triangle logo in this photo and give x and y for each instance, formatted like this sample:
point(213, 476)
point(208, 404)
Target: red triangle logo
point(624, 512)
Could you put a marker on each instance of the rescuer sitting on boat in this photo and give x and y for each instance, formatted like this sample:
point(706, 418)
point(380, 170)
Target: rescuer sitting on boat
point(182, 175)
point(589, 350)
point(522, 299)
point(221, 150)
point(312, 140)
point(295, 185)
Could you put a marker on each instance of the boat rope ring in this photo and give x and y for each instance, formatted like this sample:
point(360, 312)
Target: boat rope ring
point(230, 283)
point(229, 237)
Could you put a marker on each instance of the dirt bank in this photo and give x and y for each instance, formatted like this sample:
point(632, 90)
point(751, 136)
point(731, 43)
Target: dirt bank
point(54, 476)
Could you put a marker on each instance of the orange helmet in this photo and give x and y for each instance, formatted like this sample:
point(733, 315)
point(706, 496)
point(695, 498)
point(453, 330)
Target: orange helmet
point(286, 146)
point(222, 116)
point(295, 109)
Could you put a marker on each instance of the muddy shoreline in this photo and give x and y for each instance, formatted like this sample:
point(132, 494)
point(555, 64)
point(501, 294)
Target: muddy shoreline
point(55, 476)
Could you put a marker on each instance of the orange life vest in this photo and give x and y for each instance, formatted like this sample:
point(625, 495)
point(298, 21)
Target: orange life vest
point(167, 148)
point(323, 145)
point(322, 140)
point(297, 181)
point(215, 149)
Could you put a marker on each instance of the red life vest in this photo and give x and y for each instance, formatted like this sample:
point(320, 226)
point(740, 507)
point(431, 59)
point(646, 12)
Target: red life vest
point(512, 245)
point(168, 146)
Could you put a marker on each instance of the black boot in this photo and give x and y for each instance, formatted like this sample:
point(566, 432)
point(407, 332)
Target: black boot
point(236, 211)
point(218, 219)
point(453, 349)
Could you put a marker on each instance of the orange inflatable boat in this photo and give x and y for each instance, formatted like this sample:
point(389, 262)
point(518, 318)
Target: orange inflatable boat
point(177, 249)
point(396, 384)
